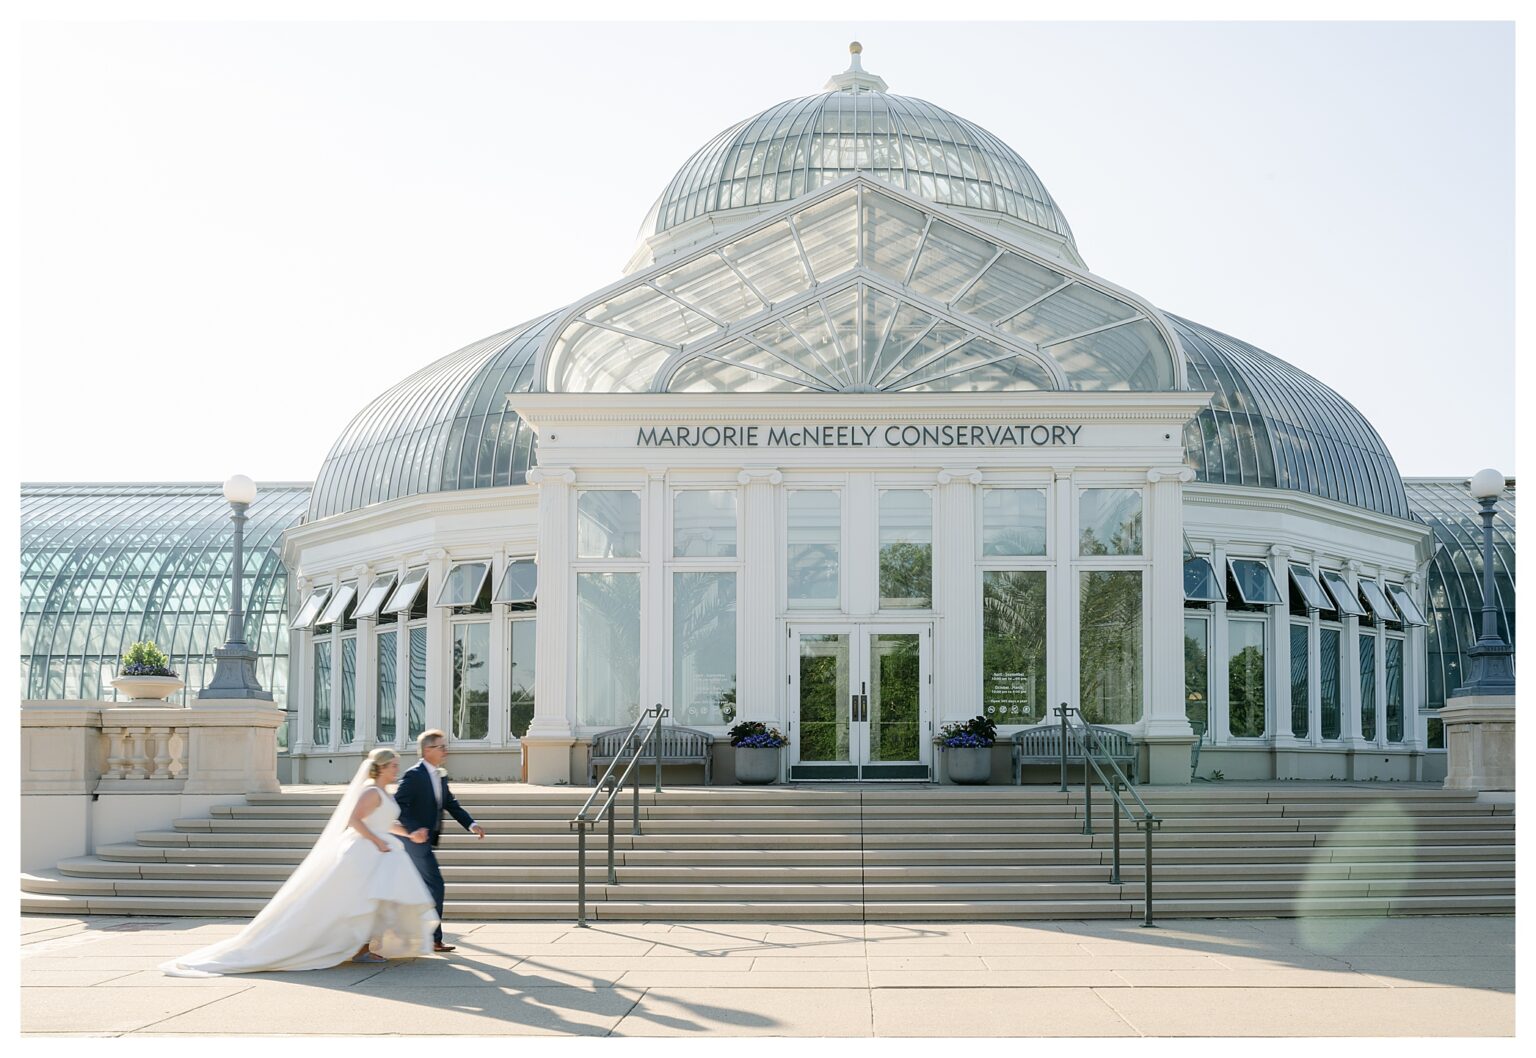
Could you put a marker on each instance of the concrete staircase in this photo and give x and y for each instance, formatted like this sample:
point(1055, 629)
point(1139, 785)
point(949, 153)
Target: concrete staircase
point(862, 852)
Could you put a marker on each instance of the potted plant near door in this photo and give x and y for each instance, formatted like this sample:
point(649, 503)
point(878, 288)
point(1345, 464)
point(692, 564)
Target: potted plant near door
point(757, 752)
point(967, 748)
point(145, 674)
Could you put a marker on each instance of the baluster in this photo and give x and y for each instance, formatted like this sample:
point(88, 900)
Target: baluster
point(138, 766)
point(161, 739)
point(117, 758)
point(176, 753)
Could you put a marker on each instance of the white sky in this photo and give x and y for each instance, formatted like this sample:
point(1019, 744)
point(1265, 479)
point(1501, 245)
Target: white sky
point(234, 235)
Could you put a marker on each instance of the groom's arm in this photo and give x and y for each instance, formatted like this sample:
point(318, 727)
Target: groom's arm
point(451, 803)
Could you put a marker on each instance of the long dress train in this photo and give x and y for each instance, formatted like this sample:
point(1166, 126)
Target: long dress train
point(352, 895)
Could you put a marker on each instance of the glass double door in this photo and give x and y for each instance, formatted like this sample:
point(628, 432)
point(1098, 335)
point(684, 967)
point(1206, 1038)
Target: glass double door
point(860, 701)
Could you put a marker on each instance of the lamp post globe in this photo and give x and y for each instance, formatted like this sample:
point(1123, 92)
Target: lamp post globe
point(241, 489)
point(1487, 484)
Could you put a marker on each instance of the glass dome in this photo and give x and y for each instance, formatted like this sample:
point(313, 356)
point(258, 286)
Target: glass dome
point(803, 144)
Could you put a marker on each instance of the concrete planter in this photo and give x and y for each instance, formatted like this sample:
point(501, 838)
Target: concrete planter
point(756, 766)
point(144, 689)
point(969, 765)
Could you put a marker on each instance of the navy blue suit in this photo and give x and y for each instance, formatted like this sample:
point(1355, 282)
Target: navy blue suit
point(419, 808)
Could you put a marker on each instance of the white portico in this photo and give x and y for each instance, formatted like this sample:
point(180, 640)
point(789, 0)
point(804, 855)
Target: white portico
point(857, 570)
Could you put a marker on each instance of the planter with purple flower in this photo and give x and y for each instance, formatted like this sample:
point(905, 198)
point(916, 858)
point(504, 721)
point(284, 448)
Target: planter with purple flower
point(967, 749)
point(757, 752)
point(146, 676)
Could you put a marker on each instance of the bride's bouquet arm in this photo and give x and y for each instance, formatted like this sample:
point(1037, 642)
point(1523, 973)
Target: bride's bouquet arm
point(365, 806)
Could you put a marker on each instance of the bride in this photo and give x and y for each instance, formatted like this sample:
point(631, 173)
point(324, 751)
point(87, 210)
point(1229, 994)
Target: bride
point(357, 894)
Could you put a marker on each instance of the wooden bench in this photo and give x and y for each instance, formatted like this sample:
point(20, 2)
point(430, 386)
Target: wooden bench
point(1042, 745)
point(679, 745)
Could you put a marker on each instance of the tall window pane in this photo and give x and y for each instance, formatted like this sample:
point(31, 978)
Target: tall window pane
point(1367, 686)
point(388, 664)
point(704, 648)
point(521, 680)
point(348, 688)
point(814, 546)
point(1013, 646)
point(607, 648)
point(906, 550)
point(322, 731)
point(608, 524)
point(1394, 667)
point(1299, 684)
point(471, 680)
point(1013, 522)
point(1328, 676)
point(1197, 671)
point(418, 702)
point(704, 523)
point(1109, 663)
point(1245, 678)
point(1109, 522)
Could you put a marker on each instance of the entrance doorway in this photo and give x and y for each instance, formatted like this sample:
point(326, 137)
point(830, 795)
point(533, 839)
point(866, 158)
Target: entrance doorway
point(861, 701)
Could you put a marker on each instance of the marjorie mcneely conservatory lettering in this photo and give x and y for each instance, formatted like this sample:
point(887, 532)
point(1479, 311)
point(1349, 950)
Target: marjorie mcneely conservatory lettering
point(948, 435)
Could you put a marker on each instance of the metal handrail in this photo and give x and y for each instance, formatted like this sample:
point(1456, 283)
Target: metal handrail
point(581, 822)
point(1113, 782)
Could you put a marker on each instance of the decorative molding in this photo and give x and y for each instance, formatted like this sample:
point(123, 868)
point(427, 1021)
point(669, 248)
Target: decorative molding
point(1182, 473)
point(553, 475)
point(748, 475)
point(970, 474)
point(655, 473)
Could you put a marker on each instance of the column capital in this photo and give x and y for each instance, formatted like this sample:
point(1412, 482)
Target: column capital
point(361, 570)
point(1279, 551)
point(653, 473)
point(770, 475)
point(434, 554)
point(970, 474)
point(1182, 473)
point(552, 475)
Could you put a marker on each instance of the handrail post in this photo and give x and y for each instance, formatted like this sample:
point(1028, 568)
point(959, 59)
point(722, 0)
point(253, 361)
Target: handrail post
point(1114, 870)
point(581, 874)
point(635, 820)
point(1087, 792)
point(656, 742)
point(1061, 711)
point(1146, 911)
point(613, 878)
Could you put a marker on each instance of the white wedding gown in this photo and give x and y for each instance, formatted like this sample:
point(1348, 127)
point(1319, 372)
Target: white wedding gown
point(352, 895)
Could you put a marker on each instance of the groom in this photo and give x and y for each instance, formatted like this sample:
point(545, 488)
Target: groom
point(423, 796)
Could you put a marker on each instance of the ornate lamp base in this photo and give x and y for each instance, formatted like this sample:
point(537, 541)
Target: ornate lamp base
point(235, 677)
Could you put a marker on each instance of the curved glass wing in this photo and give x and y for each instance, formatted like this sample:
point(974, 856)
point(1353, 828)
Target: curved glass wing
point(103, 566)
point(1272, 425)
point(449, 426)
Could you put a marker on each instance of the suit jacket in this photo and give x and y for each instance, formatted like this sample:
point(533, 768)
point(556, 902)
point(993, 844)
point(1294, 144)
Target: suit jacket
point(418, 803)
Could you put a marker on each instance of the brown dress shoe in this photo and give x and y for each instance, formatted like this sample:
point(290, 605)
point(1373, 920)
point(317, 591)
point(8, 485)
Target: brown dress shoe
point(440, 946)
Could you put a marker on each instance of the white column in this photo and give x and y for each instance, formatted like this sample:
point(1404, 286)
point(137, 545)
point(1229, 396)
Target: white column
point(656, 548)
point(1061, 616)
point(1166, 730)
point(1415, 657)
point(550, 734)
point(757, 601)
point(301, 692)
point(496, 718)
point(334, 639)
point(1221, 670)
point(1278, 672)
point(1349, 674)
point(1314, 672)
point(439, 647)
point(367, 676)
point(1165, 548)
point(956, 605)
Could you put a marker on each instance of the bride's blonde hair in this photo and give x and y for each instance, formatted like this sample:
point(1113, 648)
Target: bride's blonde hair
point(379, 759)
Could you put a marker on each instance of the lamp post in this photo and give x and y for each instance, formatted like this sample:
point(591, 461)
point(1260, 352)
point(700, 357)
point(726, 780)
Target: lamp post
point(1492, 669)
point(234, 677)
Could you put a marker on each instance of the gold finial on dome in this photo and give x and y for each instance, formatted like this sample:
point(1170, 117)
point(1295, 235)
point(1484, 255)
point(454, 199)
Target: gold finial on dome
point(855, 79)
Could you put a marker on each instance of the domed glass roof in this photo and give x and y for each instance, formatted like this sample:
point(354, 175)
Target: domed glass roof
point(803, 144)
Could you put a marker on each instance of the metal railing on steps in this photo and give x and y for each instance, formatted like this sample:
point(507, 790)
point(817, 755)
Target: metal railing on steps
point(1114, 781)
point(585, 820)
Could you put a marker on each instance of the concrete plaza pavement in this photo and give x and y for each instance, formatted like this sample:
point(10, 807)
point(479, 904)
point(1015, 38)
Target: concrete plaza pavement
point(1451, 976)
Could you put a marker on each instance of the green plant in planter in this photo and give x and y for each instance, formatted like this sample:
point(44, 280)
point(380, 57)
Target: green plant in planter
point(976, 733)
point(754, 734)
point(145, 659)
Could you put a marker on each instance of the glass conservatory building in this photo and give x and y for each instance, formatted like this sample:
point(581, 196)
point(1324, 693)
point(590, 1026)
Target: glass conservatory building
point(857, 446)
